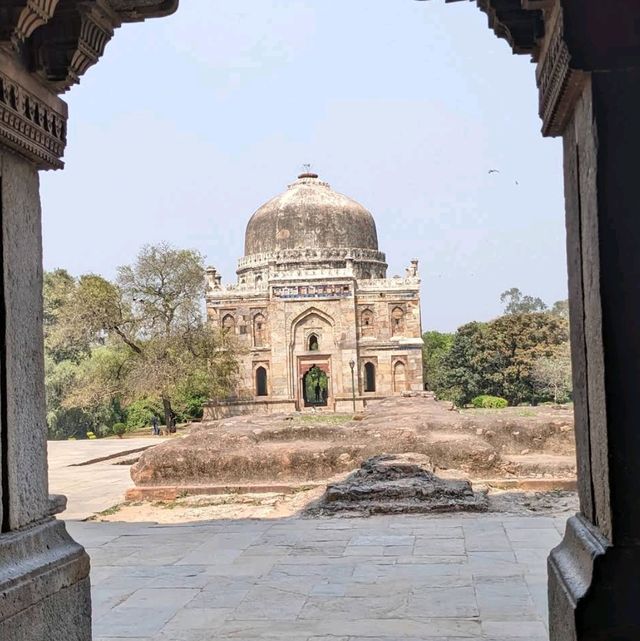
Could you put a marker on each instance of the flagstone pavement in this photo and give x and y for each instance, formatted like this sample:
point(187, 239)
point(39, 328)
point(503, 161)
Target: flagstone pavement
point(386, 578)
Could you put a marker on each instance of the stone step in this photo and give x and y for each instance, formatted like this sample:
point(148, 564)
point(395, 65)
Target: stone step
point(542, 465)
point(173, 492)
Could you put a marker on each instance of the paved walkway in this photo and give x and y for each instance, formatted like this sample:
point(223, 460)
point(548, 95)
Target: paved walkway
point(402, 578)
point(90, 488)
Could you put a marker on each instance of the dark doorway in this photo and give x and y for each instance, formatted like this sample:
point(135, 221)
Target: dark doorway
point(369, 377)
point(315, 388)
point(261, 382)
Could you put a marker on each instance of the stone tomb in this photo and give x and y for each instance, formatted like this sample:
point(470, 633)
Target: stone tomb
point(318, 322)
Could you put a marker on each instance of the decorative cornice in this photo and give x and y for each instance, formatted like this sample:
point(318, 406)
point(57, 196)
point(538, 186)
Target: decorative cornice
point(30, 126)
point(559, 85)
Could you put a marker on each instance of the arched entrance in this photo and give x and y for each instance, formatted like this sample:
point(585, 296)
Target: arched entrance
point(261, 382)
point(315, 387)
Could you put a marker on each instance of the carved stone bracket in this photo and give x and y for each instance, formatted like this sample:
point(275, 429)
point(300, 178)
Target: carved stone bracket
point(20, 18)
point(521, 26)
point(58, 40)
point(30, 126)
point(72, 41)
point(558, 84)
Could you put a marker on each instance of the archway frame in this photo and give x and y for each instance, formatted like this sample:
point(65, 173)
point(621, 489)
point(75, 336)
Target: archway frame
point(588, 73)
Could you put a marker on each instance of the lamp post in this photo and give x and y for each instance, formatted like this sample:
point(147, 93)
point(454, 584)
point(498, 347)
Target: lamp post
point(352, 365)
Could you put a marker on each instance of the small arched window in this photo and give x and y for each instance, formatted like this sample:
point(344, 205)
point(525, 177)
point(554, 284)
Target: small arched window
point(397, 321)
point(369, 377)
point(259, 330)
point(258, 280)
point(313, 343)
point(261, 382)
point(229, 324)
point(366, 323)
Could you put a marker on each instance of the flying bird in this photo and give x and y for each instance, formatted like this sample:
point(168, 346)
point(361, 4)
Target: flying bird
point(494, 171)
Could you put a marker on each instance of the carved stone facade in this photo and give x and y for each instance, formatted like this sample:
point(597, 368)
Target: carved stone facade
point(316, 295)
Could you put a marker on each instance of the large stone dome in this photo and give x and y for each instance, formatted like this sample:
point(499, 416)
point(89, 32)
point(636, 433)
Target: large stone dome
point(310, 215)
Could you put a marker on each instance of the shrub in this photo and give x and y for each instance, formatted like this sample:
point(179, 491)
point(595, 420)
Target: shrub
point(119, 429)
point(485, 401)
point(140, 413)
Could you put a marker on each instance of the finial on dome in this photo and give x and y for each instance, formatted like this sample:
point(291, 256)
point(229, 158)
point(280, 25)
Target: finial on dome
point(307, 172)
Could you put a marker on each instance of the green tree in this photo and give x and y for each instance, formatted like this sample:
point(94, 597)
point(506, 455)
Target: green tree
point(59, 288)
point(151, 323)
point(516, 302)
point(512, 344)
point(436, 346)
point(463, 376)
point(499, 358)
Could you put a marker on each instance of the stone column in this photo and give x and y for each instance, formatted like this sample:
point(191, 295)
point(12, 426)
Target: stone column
point(594, 574)
point(44, 574)
point(45, 46)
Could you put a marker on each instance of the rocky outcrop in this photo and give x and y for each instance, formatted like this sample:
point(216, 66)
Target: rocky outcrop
point(398, 484)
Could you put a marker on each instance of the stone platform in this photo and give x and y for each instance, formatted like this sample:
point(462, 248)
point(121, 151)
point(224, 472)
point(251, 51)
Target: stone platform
point(385, 578)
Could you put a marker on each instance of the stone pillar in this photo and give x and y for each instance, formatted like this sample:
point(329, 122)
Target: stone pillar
point(44, 574)
point(45, 46)
point(594, 574)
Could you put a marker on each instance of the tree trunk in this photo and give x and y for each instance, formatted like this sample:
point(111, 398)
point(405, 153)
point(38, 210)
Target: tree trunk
point(168, 414)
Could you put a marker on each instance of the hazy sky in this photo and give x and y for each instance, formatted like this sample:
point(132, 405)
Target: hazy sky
point(190, 123)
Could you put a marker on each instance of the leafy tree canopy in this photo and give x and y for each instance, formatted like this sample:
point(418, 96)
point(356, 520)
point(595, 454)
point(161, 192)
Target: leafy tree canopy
point(499, 358)
point(143, 336)
point(516, 302)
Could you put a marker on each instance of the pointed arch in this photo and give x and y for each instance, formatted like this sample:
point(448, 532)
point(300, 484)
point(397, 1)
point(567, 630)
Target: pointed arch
point(311, 311)
point(229, 323)
point(397, 321)
point(366, 322)
point(369, 377)
point(399, 377)
point(259, 330)
point(262, 382)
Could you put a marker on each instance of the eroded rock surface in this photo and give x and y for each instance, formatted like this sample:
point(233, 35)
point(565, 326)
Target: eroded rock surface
point(398, 483)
